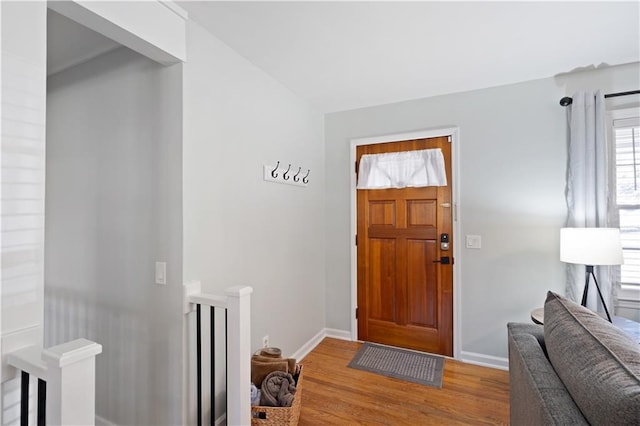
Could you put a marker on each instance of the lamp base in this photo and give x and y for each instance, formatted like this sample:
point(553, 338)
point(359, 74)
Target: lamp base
point(588, 273)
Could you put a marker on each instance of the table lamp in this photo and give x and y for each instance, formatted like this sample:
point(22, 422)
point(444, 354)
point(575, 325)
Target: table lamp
point(591, 247)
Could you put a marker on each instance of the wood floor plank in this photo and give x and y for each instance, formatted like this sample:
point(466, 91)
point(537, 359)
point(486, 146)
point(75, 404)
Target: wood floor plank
point(335, 394)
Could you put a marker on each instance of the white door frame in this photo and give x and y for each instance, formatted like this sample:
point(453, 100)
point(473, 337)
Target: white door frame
point(454, 132)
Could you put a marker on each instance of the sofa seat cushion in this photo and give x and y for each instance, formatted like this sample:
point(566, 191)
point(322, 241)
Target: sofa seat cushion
point(598, 364)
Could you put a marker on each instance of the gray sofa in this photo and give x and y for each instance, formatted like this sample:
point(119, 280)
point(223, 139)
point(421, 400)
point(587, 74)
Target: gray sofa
point(577, 369)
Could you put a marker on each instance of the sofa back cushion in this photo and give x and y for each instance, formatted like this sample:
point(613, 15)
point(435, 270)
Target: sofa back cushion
point(598, 364)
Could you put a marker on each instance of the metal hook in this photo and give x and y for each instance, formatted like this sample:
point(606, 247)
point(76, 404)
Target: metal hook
point(284, 175)
point(295, 177)
point(273, 172)
point(304, 179)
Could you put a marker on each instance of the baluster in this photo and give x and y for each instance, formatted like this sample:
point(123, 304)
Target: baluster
point(199, 364)
point(24, 399)
point(42, 402)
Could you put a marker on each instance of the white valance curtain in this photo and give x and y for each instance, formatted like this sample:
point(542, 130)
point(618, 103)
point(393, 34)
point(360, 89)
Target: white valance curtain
point(588, 186)
point(402, 169)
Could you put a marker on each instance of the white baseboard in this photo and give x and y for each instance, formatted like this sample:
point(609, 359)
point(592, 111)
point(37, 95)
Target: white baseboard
point(338, 334)
point(315, 341)
point(484, 360)
point(308, 347)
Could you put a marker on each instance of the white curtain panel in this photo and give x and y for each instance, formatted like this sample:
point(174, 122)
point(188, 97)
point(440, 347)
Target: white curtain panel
point(587, 188)
point(402, 169)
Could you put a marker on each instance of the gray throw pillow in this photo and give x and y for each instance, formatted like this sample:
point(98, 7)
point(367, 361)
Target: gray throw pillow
point(598, 363)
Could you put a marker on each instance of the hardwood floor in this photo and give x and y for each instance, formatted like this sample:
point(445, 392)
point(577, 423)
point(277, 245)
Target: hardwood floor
point(335, 394)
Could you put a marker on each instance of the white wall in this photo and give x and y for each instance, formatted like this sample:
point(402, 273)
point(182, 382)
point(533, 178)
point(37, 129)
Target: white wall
point(512, 182)
point(113, 208)
point(239, 229)
point(23, 78)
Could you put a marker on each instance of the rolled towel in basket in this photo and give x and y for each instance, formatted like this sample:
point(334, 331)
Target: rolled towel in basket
point(278, 390)
point(260, 368)
point(268, 360)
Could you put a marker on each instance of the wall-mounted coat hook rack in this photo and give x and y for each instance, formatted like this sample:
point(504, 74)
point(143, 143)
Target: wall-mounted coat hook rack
point(282, 174)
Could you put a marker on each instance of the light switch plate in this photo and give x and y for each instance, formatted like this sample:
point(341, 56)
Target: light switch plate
point(161, 273)
point(474, 242)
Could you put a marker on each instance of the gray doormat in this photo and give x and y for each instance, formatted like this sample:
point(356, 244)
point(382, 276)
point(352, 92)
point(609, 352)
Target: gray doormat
point(416, 367)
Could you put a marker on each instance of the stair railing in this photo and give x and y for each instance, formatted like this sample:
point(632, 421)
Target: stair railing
point(236, 304)
point(66, 382)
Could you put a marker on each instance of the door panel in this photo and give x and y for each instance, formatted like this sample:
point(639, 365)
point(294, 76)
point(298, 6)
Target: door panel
point(383, 282)
point(422, 286)
point(405, 298)
point(421, 213)
point(382, 213)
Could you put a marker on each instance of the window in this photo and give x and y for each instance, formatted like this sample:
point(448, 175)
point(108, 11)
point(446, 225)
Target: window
point(626, 137)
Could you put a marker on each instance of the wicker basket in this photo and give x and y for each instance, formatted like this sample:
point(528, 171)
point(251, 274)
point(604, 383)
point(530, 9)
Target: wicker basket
point(279, 416)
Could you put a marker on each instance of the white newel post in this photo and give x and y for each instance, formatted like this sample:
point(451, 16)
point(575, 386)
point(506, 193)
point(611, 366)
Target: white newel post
point(239, 356)
point(71, 382)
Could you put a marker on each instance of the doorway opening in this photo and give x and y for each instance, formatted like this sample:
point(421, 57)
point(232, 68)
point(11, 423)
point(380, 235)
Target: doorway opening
point(113, 209)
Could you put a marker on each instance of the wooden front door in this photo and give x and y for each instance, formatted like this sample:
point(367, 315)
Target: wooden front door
point(405, 298)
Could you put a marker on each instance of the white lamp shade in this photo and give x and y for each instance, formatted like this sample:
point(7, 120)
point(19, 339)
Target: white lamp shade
point(591, 246)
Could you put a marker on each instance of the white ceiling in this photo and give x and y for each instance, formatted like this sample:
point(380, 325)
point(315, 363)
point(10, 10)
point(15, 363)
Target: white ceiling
point(345, 55)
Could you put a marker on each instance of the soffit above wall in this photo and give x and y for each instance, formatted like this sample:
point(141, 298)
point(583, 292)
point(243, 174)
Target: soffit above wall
point(81, 30)
point(70, 44)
